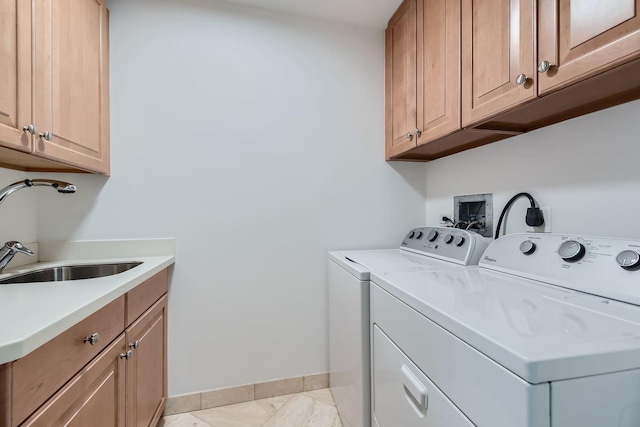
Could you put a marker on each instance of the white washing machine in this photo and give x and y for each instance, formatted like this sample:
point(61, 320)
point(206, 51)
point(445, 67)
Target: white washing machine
point(544, 333)
point(424, 248)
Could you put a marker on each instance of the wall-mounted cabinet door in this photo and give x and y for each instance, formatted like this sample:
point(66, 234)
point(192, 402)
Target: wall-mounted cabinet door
point(72, 82)
point(577, 39)
point(15, 74)
point(498, 61)
point(438, 108)
point(401, 80)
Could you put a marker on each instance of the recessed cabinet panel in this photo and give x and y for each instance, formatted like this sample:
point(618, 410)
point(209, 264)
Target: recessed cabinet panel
point(15, 74)
point(580, 38)
point(438, 68)
point(491, 41)
point(401, 79)
point(497, 57)
point(71, 82)
point(76, 72)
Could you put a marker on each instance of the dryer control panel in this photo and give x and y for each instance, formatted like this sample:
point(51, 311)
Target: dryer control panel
point(450, 244)
point(601, 266)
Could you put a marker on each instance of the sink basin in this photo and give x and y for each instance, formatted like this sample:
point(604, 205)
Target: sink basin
point(70, 272)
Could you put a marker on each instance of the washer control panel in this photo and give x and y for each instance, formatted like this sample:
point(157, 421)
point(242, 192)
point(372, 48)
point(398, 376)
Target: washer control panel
point(450, 244)
point(601, 266)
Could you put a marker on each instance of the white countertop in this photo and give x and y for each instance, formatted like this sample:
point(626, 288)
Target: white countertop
point(33, 313)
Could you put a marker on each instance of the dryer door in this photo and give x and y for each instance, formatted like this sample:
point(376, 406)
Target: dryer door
point(402, 393)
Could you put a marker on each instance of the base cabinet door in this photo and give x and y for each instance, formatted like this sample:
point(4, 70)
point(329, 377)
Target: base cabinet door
point(146, 367)
point(94, 397)
point(577, 39)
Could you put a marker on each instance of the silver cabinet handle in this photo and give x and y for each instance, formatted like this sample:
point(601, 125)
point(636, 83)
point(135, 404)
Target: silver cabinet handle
point(46, 135)
point(32, 129)
point(126, 355)
point(521, 79)
point(93, 339)
point(544, 66)
point(135, 344)
point(409, 135)
point(418, 132)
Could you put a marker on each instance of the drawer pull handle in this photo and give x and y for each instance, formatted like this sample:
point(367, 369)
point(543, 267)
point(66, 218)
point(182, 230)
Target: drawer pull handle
point(126, 355)
point(135, 344)
point(93, 339)
point(415, 388)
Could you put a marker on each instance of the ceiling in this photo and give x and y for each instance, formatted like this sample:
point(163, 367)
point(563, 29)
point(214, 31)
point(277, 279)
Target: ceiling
point(363, 13)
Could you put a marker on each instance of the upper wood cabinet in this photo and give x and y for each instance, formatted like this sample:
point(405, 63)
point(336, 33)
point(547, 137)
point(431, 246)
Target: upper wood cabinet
point(438, 80)
point(57, 81)
point(401, 79)
point(423, 82)
point(498, 60)
point(577, 39)
point(15, 74)
point(487, 70)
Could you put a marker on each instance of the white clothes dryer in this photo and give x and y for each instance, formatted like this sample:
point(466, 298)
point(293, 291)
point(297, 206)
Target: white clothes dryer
point(544, 333)
point(424, 248)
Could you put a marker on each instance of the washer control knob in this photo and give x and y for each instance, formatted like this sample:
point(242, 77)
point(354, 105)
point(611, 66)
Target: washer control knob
point(459, 241)
point(411, 234)
point(527, 247)
point(571, 251)
point(432, 236)
point(448, 239)
point(628, 259)
point(419, 235)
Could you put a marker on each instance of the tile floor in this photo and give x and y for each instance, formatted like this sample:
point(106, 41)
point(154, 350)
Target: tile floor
point(308, 409)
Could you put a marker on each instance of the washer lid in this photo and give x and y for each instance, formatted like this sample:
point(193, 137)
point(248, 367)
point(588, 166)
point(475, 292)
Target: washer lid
point(539, 332)
point(360, 263)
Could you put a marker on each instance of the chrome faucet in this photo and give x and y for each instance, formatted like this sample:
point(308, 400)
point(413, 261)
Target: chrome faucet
point(9, 250)
point(61, 186)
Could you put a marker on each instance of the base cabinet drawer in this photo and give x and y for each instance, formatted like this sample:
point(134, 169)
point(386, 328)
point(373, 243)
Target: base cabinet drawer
point(402, 393)
point(41, 373)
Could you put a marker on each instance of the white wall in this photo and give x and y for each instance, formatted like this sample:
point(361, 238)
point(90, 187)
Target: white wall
point(255, 139)
point(18, 212)
point(586, 169)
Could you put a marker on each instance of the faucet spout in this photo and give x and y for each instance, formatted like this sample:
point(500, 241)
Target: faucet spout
point(9, 250)
point(61, 186)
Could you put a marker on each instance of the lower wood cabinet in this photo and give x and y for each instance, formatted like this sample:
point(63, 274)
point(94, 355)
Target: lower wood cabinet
point(146, 388)
point(94, 397)
point(118, 379)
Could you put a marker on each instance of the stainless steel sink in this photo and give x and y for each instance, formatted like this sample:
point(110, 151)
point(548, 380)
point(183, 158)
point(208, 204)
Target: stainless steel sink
point(70, 272)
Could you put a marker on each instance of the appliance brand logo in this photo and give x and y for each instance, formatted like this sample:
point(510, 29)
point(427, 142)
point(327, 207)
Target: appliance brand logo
point(488, 259)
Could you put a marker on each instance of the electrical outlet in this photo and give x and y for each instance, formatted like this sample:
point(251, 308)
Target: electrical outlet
point(546, 227)
point(445, 223)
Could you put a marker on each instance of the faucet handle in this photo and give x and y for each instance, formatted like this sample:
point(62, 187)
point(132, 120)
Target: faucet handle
point(18, 247)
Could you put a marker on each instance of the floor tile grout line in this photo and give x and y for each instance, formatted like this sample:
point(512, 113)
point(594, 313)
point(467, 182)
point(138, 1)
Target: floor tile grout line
point(287, 401)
